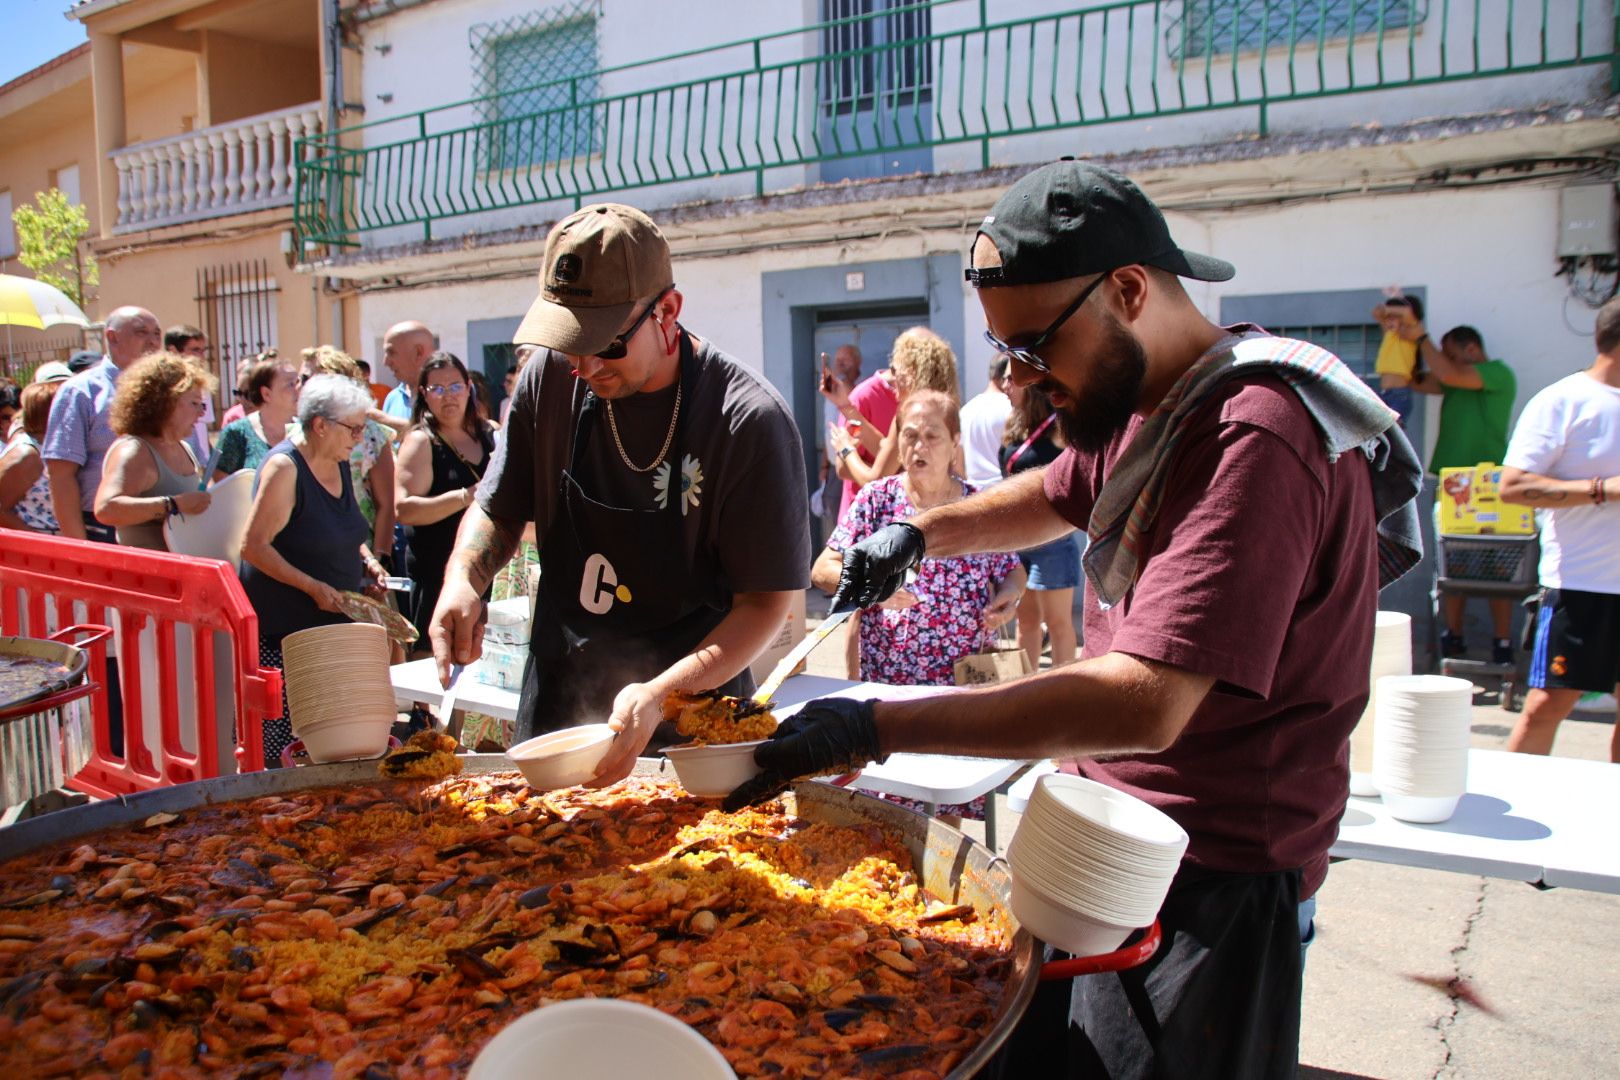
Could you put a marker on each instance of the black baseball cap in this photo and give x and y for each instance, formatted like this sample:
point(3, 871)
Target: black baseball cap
point(1069, 219)
point(84, 358)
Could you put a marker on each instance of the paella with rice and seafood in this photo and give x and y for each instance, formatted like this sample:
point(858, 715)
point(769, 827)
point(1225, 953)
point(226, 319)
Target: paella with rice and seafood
point(392, 929)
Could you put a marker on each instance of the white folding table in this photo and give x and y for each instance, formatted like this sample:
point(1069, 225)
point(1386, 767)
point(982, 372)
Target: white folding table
point(1545, 820)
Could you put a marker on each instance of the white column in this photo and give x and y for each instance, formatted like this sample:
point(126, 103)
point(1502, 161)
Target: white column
point(200, 173)
point(216, 169)
point(188, 176)
point(295, 131)
point(233, 166)
point(261, 161)
point(278, 157)
point(125, 181)
point(174, 189)
point(149, 185)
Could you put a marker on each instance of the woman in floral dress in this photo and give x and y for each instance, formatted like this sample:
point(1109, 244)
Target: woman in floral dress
point(916, 636)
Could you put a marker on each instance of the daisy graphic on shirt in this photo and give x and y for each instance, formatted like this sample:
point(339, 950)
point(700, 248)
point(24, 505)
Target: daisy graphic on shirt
point(691, 483)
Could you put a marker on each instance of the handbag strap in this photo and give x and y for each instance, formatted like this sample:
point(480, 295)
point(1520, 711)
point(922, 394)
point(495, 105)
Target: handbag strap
point(1027, 443)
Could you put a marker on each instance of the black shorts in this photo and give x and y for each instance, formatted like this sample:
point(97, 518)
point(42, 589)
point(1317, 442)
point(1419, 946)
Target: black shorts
point(1577, 644)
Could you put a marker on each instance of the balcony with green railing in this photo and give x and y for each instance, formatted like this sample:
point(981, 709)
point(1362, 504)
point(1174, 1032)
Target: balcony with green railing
point(934, 87)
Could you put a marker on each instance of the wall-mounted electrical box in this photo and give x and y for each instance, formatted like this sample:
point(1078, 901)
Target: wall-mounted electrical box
point(1586, 220)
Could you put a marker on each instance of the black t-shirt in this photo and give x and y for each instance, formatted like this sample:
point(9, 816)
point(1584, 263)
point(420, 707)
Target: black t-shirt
point(1042, 452)
point(738, 457)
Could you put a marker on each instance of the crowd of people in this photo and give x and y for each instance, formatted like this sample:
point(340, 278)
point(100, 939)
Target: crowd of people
point(110, 447)
point(645, 465)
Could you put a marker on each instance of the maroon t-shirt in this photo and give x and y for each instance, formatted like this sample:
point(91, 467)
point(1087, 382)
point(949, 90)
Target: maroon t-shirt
point(1260, 570)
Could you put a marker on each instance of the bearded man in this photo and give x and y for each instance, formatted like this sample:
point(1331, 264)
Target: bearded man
point(1243, 495)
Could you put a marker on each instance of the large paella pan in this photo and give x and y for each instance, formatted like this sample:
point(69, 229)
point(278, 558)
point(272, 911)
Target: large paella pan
point(322, 921)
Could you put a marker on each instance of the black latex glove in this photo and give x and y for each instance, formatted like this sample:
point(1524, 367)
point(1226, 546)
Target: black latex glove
point(829, 735)
point(876, 567)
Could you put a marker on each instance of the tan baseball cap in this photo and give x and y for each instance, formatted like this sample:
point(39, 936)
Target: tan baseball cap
point(600, 262)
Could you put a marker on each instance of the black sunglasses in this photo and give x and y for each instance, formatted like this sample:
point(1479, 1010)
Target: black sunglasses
point(619, 346)
point(1025, 354)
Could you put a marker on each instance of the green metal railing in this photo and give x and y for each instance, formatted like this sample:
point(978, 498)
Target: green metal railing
point(800, 97)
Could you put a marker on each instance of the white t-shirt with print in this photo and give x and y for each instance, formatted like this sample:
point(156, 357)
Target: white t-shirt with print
point(1571, 431)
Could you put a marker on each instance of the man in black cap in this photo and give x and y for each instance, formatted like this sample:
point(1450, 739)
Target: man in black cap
point(1242, 494)
point(666, 486)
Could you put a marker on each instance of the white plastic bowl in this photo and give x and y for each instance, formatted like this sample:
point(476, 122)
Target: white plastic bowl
point(713, 772)
point(599, 1039)
point(348, 740)
point(1063, 927)
point(563, 758)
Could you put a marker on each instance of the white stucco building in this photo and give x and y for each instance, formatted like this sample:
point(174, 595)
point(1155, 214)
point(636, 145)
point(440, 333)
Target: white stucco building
point(820, 165)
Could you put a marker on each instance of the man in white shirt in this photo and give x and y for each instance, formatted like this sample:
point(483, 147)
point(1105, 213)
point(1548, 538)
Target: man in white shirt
point(984, 418)
point(1564, 458)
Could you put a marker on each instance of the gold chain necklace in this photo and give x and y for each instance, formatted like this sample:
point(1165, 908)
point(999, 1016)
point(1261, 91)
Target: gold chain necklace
point(669, 436)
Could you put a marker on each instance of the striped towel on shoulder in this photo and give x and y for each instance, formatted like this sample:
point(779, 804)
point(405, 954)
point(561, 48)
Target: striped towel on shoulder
point(1348, 414)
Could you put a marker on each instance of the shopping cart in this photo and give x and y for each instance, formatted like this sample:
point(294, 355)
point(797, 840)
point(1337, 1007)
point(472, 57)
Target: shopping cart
point(1494, 568)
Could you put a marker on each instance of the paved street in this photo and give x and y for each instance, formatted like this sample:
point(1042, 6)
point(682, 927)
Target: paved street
point(1391, 939)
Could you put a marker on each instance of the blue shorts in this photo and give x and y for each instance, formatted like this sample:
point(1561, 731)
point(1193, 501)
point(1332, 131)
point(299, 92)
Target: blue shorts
point(1053, 566)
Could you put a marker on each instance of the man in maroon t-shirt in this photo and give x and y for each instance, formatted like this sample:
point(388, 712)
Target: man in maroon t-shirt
point(1221, 686)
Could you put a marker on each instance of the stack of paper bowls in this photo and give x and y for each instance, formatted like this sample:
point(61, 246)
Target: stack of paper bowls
point(1392, 655)
point(1090, 864)
point(1420, 745)
point(339, 697)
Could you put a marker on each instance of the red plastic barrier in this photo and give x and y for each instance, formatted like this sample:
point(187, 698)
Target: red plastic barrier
point(169, 590)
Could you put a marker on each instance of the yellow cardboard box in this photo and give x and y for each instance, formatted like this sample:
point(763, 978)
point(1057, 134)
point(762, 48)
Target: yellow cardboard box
point(1471, 504)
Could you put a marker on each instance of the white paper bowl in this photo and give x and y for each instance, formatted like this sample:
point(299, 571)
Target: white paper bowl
point(1419, 809)
point(713, 772)
point(598, 1039)
point(1063, 927)
point(1140, 825)
point(563, 758)
point(348, 740)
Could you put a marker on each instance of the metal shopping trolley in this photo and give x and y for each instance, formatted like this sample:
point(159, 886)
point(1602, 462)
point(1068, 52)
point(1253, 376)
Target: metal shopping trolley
point(1495, 568)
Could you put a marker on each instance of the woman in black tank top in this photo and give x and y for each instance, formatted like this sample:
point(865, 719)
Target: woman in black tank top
point(441, 460)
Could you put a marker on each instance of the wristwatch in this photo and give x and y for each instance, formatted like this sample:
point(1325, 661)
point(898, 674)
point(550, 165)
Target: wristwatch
point(845, 452)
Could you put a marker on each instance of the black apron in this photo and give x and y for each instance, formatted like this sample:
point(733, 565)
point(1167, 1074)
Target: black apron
point(619, 600)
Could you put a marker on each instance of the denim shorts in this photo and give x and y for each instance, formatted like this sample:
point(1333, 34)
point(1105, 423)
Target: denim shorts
point(1053, 566)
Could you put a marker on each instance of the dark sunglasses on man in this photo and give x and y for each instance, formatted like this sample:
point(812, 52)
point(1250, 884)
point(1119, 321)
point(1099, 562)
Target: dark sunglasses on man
point(619, 347)
point(1025, 354)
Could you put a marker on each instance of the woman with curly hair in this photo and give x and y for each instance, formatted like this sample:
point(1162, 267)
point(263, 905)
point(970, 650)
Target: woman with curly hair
point(371, 463)
point(441, 460)
point(151, 471)
point(920, 360)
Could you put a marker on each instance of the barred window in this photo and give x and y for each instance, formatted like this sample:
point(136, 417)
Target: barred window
point(884, 55)
point(1216, 27)
point(539, 73)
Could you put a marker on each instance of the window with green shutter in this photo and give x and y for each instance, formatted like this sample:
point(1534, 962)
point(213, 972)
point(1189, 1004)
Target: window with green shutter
point(542, 70)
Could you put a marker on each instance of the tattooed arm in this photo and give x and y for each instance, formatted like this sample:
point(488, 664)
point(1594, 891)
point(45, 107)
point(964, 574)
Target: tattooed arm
point(484, 544)
point(1532, 489)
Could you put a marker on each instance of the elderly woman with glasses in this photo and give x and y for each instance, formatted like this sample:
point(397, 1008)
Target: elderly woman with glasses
point(306, 538)
point(151, 472)
point(272, 389)
point(441, 460)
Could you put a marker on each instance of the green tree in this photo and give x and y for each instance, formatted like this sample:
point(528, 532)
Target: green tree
point(48, 238)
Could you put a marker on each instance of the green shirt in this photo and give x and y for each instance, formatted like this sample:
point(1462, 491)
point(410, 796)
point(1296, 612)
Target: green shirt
point(1474, 424)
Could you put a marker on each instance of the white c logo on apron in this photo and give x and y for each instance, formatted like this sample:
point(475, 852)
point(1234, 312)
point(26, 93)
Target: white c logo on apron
point(599, 586)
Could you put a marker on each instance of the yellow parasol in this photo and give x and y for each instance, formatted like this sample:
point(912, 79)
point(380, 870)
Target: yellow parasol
point(26, 302)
